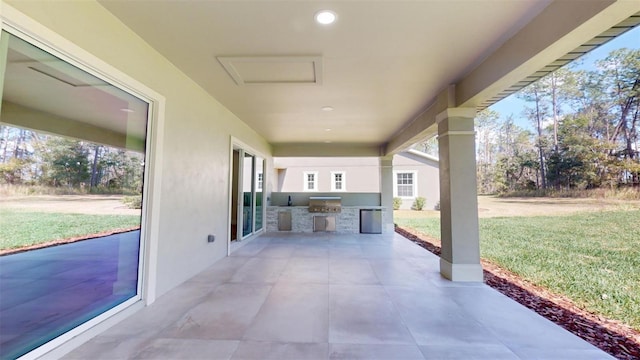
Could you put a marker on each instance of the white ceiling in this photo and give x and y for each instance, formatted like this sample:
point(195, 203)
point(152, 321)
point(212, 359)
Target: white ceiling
point(382, 62)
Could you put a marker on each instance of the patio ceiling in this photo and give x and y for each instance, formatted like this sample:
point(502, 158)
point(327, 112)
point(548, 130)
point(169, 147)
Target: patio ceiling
point(379, 66)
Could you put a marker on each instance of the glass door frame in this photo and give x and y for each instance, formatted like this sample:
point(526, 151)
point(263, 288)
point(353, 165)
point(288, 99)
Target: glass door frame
point(244, 149)
point(250, 180)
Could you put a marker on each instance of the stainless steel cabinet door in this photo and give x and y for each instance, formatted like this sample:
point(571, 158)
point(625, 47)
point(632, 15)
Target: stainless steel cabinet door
point(284, 221)
point(370, 221)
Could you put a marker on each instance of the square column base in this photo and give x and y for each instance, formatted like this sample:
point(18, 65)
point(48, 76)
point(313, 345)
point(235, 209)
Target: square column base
point(388, 228)
point(461, 272)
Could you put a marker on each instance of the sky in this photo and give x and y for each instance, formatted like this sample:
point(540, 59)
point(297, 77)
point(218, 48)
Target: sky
point(511, 105)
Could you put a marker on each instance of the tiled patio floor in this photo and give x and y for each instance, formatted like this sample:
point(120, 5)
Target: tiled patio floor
point(319, 296)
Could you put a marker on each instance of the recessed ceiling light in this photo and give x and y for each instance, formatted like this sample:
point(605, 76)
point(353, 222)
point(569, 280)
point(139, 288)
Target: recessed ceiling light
point(327, 108)
point(126, 110)
point(327, 129)
point(327, 141)
point(325, 17)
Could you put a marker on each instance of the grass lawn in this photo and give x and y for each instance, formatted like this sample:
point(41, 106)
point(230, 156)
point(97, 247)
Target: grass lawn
point(593, 258)
point(23, 228)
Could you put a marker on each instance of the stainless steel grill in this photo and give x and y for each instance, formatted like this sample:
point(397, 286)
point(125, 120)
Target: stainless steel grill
point(325, 204)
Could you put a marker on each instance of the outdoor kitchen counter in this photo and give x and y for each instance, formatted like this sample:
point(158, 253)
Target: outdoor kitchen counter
point(347, 221)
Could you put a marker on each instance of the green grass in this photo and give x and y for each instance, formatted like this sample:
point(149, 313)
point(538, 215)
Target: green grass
point(21, 228)
point(593, 258)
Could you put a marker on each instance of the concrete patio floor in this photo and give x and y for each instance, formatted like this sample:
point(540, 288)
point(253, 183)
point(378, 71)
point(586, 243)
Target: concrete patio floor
point(324, 296)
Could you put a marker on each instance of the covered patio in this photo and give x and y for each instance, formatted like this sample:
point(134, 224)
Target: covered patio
point(220, 89)
point(327, 296)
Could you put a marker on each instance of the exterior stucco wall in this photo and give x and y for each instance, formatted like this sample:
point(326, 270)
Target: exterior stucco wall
point(428, 182)
point(194, 197)
point(362, 175)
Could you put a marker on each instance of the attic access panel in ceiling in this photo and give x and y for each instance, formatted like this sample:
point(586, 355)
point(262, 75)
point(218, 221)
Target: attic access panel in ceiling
point(267, 70)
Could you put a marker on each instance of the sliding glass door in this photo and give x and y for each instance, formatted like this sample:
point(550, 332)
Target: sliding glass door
point(248, 180)
point(259, 182)
point(72, 155)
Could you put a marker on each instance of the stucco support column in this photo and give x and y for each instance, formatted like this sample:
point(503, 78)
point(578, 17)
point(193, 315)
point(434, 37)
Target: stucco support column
point(386, 193)
point(460, 257)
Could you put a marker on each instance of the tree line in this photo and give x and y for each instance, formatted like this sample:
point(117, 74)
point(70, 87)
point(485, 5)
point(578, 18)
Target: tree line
point(583, 134)
point(33, 159)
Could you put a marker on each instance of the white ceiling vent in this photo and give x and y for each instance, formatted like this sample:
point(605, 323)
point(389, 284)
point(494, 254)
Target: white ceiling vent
point(267, 70)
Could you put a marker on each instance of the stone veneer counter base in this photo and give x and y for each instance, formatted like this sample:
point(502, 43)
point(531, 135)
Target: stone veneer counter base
point(347, 221)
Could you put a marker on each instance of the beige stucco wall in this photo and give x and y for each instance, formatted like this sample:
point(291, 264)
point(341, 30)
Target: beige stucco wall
point(362, 175)
point(428, 178)
point(194, 196)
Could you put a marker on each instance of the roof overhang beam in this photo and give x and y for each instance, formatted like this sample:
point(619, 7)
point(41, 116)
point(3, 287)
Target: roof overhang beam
point(559, 29)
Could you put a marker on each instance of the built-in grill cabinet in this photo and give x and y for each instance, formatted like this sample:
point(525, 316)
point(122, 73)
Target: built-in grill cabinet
point(324, 223)
point(325, 204)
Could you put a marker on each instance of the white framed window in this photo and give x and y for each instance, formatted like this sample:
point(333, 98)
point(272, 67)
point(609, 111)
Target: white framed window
point(405, 184)
point(310, 180)
point(338, 181)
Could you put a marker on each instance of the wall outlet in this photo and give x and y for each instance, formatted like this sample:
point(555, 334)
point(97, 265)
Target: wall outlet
point(211, 238)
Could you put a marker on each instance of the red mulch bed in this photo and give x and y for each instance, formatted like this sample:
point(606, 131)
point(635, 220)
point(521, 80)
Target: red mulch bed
point(65, 241)
point(614, 337)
